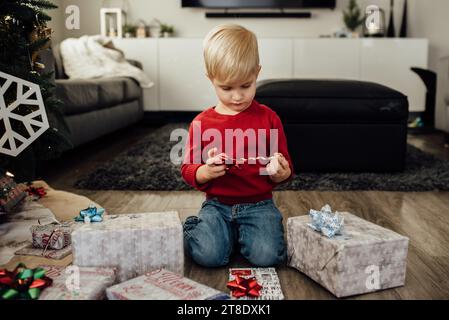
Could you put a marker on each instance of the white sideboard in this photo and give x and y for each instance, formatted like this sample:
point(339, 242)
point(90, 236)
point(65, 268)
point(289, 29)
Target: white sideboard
point(176, 66)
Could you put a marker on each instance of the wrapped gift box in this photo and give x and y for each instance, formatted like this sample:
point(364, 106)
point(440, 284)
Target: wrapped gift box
point(266, 277)
point(92, 283)
point(134, 243)
point(51, 236)
point(161, 284)
point(364, 259)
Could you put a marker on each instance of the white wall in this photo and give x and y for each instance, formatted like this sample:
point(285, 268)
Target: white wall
point(57, 22)
point(190, 22)
point(429, 19)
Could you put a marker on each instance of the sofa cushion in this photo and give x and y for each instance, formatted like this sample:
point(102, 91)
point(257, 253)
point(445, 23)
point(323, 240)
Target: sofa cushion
point(111, 91)
point(132, 89)
point(77, 95)
point(59, 66)
point(330, 101)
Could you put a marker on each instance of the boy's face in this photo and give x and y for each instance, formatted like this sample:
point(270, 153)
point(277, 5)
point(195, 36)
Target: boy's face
point(237, 96)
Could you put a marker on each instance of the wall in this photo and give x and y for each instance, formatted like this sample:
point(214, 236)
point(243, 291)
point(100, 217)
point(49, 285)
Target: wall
point(57, 22)
point(429, 19)
point(190, 22)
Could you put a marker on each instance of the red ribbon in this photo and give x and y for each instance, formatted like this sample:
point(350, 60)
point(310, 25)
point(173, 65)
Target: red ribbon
point(241, 287)
point(38, 192)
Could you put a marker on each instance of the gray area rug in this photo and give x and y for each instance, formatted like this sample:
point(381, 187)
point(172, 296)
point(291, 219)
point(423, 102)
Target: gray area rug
point(147, 166)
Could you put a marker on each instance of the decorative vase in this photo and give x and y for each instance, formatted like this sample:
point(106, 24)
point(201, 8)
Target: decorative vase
point(375, 28)
point(403, 33)
point(391, 33)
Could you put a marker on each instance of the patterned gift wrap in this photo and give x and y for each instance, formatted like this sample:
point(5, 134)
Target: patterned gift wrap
point(13, 194)
point(161, 284)
point(78, 283)
point(134, 243)
point(51, 236)
point(266, 277)
point(366, 258)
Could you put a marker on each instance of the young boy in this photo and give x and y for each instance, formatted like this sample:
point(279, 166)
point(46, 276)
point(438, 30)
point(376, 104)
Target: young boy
point(239, 208)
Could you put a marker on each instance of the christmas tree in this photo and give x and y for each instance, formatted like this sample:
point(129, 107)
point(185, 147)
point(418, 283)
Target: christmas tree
point(23, 35)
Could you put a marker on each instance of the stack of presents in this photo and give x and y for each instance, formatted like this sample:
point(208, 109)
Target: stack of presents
point(141, 256)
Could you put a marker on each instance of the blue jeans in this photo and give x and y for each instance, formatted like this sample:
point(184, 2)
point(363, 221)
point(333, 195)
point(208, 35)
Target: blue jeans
point(257, 228)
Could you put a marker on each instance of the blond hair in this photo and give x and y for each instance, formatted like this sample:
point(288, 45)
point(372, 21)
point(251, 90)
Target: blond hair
point(231, 53)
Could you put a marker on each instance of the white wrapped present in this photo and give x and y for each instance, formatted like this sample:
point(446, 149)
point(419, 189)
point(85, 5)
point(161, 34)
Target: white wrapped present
point(78, 283)
point(161, 284)
point(364, 258)
point(134, 243)
point(266, 278)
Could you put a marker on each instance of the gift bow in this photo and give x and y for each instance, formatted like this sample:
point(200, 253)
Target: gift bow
point(326, 222)
point(23, 283)
point(241, 287)
point(38, 192)
point(94, 214)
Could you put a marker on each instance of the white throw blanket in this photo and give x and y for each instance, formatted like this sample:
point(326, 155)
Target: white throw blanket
point(95, 57)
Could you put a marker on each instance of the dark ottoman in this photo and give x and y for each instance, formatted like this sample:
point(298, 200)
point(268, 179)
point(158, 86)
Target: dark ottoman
point(340, 125)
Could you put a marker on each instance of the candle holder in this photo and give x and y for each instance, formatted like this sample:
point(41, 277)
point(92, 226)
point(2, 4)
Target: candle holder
point(112, 20)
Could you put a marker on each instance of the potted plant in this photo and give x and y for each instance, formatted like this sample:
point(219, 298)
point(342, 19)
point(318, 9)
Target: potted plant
point(166, 30)
point(353, 17)
point(129, 30)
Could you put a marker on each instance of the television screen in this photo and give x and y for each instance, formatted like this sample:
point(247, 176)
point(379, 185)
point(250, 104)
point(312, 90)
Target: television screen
point(259, 3)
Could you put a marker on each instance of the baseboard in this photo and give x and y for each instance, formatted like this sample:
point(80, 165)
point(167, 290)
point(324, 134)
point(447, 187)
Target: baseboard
point(163, 117)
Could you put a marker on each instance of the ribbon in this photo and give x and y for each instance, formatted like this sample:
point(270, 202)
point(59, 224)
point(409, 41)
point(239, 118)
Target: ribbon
point(38, 192)
point(241, 287)
point(326, 222)
point(91, 214)
point(23, 283)
point(223, 158)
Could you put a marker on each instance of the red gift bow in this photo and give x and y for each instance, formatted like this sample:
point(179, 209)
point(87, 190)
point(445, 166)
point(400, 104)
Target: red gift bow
point(39, 191)
point(241, 287)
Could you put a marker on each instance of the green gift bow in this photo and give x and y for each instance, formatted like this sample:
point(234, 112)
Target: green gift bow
point(23, 283)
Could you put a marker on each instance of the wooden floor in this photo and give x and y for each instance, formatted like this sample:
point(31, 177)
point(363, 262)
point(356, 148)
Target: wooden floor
point(423, 217)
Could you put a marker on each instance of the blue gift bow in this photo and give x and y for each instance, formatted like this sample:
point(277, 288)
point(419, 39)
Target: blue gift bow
point(326, 222)
point(94, 214)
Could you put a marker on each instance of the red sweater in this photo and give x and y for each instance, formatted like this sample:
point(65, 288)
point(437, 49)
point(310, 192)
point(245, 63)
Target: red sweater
point(244, 185)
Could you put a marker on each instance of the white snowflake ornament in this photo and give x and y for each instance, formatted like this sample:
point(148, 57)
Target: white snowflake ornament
point(35, 122)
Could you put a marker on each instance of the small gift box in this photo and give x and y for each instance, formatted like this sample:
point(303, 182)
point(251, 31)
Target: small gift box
point(354, 258)
point(134, 243)
point(255, 284)
point(51, 236)
point(78, 283)
point(161, 284)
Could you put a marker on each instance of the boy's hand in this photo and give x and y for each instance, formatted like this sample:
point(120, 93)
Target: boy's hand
point(278, 168)
point(213, 168)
